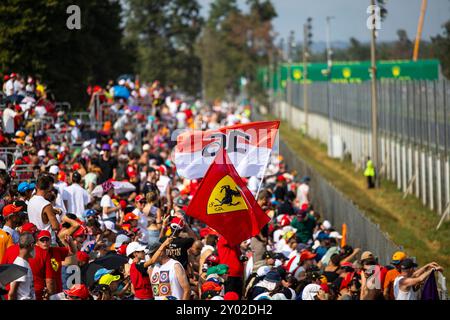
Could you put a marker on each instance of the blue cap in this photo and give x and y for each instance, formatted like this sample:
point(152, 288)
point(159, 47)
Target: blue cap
point(89, 213)
point(323, 236)
point(25, 186)
point(101, 272)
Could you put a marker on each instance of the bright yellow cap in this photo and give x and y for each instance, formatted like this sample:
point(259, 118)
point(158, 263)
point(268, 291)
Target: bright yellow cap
point(20, 134)
point(108, 279)
point(398, 256)
point(72, 123)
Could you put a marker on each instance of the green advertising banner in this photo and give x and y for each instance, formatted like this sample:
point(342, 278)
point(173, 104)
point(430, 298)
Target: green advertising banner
point(351, 72)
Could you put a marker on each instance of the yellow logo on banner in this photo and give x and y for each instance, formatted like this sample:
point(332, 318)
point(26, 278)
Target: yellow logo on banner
point(226, 197)
point(54, 263)
point(396, 71)
point(297, 74)
point(347, 73)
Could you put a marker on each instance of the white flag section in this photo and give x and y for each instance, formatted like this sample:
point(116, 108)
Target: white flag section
point(248, 146)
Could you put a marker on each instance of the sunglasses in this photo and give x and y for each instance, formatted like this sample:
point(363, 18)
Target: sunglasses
point(45, 239)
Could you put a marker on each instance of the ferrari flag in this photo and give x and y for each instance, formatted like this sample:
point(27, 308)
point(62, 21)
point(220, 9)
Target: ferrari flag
point(224, 203)
point(248, 146)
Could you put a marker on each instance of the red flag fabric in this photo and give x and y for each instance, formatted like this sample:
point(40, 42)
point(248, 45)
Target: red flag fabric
point(224, 203)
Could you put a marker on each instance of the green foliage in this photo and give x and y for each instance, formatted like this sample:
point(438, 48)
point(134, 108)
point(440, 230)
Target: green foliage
point(233, 44)
point(35, 40)
point(441, 48)
point(164, 34)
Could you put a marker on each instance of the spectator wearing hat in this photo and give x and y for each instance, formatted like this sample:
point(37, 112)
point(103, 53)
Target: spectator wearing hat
point(79, 198)
point(77, 292)
point(269, 283)
point(107, 165)
point(407, 283)
point(231, 256)
point(304, 224)
point(9, 113)
point(140, 281)
point(25, 190)
point(23, 288)
point(109, 209)
point(10, 214)
point(62, 196)
point(388, 285)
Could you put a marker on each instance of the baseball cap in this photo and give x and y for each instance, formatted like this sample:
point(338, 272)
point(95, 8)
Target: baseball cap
point(346, 265)
point(307, 255)
point(79, 291)
point(263, 271)
point(10, 209)
point(44, 234)
point(129, 217)
point(367, 255)
point(110, 226)
point(133, 247)
point(106, 147)
point(120, 240)
point(273, 276)
point(220, 269)
point(89, 213)
point(146, 147)
point(408, 264)
point(177, 223)
point(101, 272)
point(82, 256)
point(153, 246)
point(398, 257)
point(107, 279)
point(139, 198)
point(54, 169)
point(326, 225)
point(25, 186)
point(231, 295)
point(268, 255)
point(335, 235)
point(29, 227)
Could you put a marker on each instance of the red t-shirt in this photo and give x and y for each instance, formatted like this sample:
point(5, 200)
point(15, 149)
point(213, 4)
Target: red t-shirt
point(141, 281)
point(230, 256)
point(42, 269)
point(57, 256)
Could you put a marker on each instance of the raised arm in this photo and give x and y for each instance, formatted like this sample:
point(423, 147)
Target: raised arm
point(183, 280)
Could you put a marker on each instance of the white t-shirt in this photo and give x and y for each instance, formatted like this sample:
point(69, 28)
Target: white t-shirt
point(63, 195)
point(107, 202)
point(402, 295)
point(78, 199)
point(35, 208)
point(302, 193)
point(9, 88)
point(8, 120)
point(25, 289)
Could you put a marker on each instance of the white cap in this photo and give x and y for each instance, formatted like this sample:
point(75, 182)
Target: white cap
point(110, 226)
point(133, 247)
point(129, 135)
point(86, 144)
point(326, 225)
point(121, 82)
point(217, 298)
point(146, 147)
point(120, 239)
point(54, 169)
point(41, 153)
point(262, 271)
point(127, 111)
point(335, 235)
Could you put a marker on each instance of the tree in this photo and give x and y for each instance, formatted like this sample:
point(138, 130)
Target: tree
point(164, 33)
point(35, 40)
point(441, 49)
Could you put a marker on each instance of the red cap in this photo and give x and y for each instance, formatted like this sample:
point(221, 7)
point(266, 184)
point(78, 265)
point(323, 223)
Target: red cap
point(304, 207)
point(307, 255)
point(285, 221)
point(231, 295)
point(131, 172)
point(79, 291)
point(139, 197)
point(122, 250)
point(82, 256)
point(162, 169)
point(10, 209)
point(28, 227)
point(123, 204)
point(12, 75)
point(177, 223)
point(6, 77)
point(129, 217)
point(281, 178)
point(76, 166)
point(18, 162)
point(44, 234)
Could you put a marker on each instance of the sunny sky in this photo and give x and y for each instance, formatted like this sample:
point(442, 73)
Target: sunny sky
point(350, 17)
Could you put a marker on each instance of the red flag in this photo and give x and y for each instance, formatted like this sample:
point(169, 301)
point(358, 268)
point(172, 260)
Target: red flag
point(224, 203)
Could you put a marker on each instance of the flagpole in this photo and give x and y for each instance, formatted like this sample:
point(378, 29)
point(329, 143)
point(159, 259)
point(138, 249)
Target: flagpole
point(264, 174)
